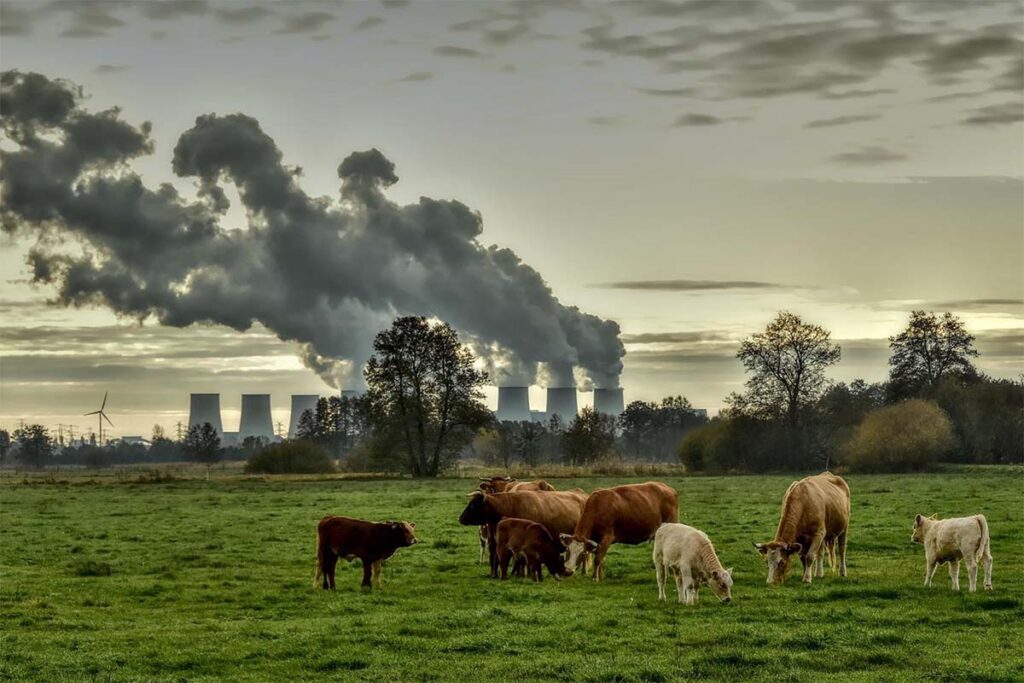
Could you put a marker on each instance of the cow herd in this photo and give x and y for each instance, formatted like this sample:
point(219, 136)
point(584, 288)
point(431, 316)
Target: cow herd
point(531, 527)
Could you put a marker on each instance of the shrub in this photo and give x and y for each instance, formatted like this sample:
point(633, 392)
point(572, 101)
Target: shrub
point(906, 436)
point(693, 451)
point(290, 457)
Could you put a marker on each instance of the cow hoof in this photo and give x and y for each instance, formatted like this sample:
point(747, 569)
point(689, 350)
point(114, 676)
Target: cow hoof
point(988, 588)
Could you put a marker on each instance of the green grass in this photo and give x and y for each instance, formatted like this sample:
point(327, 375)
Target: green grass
point(195, 580)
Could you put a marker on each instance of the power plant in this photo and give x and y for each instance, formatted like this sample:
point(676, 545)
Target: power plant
point(608, 401)
point(300, 404)
point(256, 419)
point(562, 402)
point(205, 408)
point(514, 404)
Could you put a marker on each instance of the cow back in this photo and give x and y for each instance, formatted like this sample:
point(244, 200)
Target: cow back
point(629, 514)
point(557, 511)
point(818, 502)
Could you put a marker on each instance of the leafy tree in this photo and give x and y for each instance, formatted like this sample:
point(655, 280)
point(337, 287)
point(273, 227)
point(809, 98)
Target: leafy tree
point(906, 436)
point(787, 362)
point(290, 457)
point(425, 390)
point(496, 445)
point(653, 431)
point(987, 416)
point(158, 433)
point(529, 442)
point(589, 437)
point(203, 445)
point(35, 447)
point(5, 445)
point(929, 349)
point(337, 424)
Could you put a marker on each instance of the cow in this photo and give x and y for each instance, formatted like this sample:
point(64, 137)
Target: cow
point(952, 540)
point(351, 539)
point(529, 542)
point(624, 514)
point(687, 554)
point(815, 517)
point(557, 511)
point(499, 484)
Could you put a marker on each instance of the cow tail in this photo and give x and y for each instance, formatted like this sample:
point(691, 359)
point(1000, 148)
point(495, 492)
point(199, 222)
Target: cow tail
point(983, 547)
point(319, 558)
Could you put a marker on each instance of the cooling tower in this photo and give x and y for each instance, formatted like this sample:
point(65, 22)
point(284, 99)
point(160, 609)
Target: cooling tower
point(256, 420)
point(300, 404)
point(562, 402)
point(203, 408)
point(514, 404)
point(608, 401)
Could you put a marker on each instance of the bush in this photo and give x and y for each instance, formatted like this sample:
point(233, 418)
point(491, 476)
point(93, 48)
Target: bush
point(906, 436)
point(693, 451)
point(290, 457)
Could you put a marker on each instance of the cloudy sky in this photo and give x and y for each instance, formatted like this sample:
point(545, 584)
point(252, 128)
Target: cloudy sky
point(685, 169)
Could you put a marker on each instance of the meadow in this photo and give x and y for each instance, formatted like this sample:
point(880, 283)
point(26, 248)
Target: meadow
point(196, 580)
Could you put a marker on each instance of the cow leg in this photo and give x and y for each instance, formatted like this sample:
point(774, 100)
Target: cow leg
point(330, 561)
point(986, 560)
point(931, 566)
point(680, 589)
point(504, 557)
point(483, 544)
point(367, 568)
point(972, 573)
point(376, 573)
point(659, 572)
point(842, 553)
point(820, 562)
point(602, 550)
point(807, 560)
point(689, 589)
point(492, 551)
point(954, 573)
point(536, 571)
point(832, 556)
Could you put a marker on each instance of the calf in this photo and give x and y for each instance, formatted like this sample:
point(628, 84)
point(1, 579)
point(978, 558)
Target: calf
point(624, 514)
point(351, 539)
point(530, 543)
point(815, 517)
point(952, 540)
point(687, 553)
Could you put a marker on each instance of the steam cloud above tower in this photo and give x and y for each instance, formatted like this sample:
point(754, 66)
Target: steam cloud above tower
point(327, 274)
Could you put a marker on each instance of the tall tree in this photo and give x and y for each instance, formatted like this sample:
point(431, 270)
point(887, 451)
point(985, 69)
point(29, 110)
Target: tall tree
point(788, 362)
point(529, 442)
point(589, 436)
point(425, 389)
point(35, 447)
point(203, 445)
point(929, 349)
point(5, 445)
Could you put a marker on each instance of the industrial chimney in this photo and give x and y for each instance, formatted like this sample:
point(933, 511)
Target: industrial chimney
point(256, 419)
point(608, 401)
point(300, 404)
point(562, 402)
point(514, 404)
point(203, 408)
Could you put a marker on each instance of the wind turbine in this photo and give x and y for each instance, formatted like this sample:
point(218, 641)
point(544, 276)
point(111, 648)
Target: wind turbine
point(102, 416)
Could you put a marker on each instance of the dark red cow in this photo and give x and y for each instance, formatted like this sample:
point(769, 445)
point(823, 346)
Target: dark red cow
point(351, 539)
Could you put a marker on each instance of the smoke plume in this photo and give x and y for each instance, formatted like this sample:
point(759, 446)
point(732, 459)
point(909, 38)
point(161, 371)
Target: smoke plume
point(328, 274)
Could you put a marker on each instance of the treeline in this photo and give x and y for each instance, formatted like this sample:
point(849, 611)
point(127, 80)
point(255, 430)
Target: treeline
point(934, 407)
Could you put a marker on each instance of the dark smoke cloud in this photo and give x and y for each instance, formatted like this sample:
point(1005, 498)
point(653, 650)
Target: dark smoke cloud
point(325, 274)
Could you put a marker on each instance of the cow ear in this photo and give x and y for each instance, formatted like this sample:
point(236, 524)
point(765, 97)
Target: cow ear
point(716, 576)
point(761, 548)
point(411, 524)
point(591, 545)
point(729, 572)
point(474, 494)
point(917, 520)
point(794, 548)
point(566, 539)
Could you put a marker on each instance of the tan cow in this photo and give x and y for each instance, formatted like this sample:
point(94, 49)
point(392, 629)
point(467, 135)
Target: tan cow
point(499, 484)
point(558, 511)
point(628, 514)
point(815, 517)
point(952, 540)
point(687, 554)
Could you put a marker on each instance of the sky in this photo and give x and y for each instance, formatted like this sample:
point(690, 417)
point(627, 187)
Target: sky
point(683, 170)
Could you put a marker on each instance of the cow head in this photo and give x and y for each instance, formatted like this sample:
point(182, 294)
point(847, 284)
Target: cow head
point(720, 583)
point(778, 555)
point(577, 548)
point(920, 524)
point(405, 532)
point(495, 484)
point(478, 512)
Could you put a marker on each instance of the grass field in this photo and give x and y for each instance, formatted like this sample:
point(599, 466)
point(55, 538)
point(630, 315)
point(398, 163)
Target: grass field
point(197, 580)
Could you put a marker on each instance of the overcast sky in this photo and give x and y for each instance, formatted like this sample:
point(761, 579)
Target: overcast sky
point(683, 169)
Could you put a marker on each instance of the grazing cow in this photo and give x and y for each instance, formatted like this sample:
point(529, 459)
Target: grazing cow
point(351, 539)
point(815, 517)
point(502, 485)
point(529, 542)
point(687, 553)
point(624, 514)
point(952, 540)
point(558, 511)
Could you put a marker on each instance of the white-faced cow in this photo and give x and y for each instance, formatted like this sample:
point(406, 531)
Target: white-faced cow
point(952, 540)
point(815, 517)
point(688, 555)
point(628, 514)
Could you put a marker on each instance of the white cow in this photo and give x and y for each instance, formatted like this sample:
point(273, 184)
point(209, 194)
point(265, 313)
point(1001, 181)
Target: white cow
point(687, 553)
point(952, 540)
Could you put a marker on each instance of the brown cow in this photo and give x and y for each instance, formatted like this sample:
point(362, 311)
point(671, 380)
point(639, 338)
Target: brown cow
point(371, 542)
point(499, 484)
point(815, 517)
point(558, 511)
point(624, 514)
point(530, 543)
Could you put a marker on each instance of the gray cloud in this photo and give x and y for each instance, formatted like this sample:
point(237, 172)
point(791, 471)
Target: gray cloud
point(306, 22)
point(668, 92)
point(417, 76)
point(324, 275)
point(605, 120)
point(868, 156)
point(173, 9)
point(696, 120)
point(244, 14)
point(841, 120)
point(853, 94)
point(368, 23)
point(972, 304)
point(455, 51)
point(111, 68)
point(698, 337)
point(689, 285)
point(996, 114)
